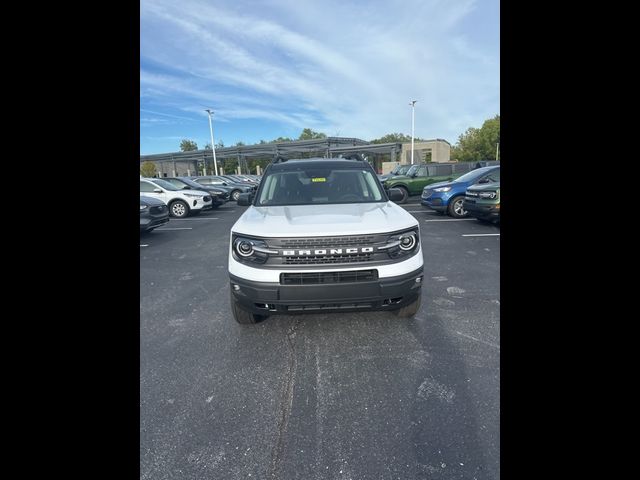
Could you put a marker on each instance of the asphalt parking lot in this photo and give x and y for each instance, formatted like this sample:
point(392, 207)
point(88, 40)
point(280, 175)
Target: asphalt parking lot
point(361, 395)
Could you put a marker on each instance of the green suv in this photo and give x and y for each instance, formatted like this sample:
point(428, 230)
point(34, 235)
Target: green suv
point(483, 201)
point(414, 181)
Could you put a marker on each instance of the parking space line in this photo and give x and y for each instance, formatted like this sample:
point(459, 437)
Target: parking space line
point(180, 228)
point(478, 340)
point(481, 235)
point(453, 220)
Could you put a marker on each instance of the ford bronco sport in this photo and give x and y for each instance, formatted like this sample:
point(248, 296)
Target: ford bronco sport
point(322, 235)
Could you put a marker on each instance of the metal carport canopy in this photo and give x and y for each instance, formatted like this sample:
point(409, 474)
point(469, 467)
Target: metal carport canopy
point(329, 145)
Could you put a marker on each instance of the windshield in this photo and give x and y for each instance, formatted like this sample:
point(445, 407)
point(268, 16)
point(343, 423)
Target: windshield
point(412, 170)
point(164, 184)
point(190, 183)
point(321, 186)
point(473, 174)
point(400, 170)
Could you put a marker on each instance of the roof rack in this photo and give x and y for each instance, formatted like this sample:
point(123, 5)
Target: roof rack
point(348, 156)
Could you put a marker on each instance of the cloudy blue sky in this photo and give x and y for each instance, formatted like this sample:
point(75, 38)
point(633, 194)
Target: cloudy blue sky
point(270, 68)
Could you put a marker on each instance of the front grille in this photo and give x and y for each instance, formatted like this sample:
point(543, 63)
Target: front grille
point(317, 278)
point(328, 251)
point(158, 209)
point(322, 259)
point(328, 241)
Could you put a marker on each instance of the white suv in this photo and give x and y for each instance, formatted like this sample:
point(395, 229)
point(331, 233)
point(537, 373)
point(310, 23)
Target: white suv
point(180, 202)
point(322, 235)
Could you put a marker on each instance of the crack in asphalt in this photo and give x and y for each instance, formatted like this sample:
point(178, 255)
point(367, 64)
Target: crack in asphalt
point(287, 400)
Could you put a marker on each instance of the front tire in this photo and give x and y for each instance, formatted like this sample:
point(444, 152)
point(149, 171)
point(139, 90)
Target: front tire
point(456, 207)
point(410, 310)
point(242, 316)
point(179, 209)
point(235, 194)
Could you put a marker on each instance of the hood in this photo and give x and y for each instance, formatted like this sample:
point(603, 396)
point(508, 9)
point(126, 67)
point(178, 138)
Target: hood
point(485, 186)
point(324, 220)
point(431, 186)
point(195, 192)
point(151, 201)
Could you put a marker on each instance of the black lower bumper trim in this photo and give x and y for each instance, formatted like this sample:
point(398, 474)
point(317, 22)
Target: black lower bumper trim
point(382, 294)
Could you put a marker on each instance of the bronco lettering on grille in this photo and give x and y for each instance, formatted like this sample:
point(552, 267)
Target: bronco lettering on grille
point(323, 251)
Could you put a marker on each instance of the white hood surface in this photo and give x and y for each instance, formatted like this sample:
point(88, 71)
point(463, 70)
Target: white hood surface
point(324, 220)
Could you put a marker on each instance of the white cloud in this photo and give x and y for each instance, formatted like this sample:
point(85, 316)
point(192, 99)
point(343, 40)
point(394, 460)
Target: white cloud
point(333, 66)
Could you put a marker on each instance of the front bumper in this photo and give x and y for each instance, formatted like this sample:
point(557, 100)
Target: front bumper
point(153, 221)
point(485, 212)
point(198, 204)
point(433, 202)
point(389, 293)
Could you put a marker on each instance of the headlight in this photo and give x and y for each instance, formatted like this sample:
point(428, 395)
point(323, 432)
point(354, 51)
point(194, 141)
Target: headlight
point(407, 241)
point(442, 189)
point(491, 195)
point(143, 207)
point(192, 195)
point(250, 250)
point(403, 243)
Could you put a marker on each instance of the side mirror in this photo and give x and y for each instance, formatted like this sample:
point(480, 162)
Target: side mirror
point(395, 194)
point(157, 190)
point(244, 199)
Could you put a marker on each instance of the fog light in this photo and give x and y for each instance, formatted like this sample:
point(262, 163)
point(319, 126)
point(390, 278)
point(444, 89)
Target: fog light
point(419, 279)
point(236, 287)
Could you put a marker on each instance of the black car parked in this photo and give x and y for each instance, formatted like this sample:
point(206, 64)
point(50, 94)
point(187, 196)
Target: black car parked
point(219, 194)
point(153, 213)
point(214, 181)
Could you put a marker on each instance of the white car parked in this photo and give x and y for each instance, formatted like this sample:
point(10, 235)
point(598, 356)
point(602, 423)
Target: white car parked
point(180, 202)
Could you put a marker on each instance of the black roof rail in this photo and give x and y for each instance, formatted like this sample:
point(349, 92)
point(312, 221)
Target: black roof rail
point(353, 156)
point(279, 159)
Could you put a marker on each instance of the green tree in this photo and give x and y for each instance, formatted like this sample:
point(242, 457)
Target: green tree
point(308, 134)
point(188, 145)
point(220, 144)
point(396, 138)
point(148, 169)
point(240, 144)
point(281, 139)
point(478, 144)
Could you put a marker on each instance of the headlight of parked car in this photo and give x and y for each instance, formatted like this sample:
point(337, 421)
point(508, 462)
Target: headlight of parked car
point(442, 189)
point(490, 195)
point(143, 207)
point(192, 195)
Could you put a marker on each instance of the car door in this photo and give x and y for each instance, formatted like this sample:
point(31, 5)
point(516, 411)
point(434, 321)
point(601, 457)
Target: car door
point(148, 190)
point(418, 182)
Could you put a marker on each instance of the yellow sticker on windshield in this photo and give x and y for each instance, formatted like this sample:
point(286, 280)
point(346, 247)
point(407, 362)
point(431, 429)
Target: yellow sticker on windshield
point(319, 179)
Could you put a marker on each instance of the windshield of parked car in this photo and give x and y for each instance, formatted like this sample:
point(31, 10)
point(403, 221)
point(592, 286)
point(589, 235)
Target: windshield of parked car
point(319, 186)
point(474, 174)
point(413, 169)
point(400, 169)
point(164, 184)
point(189, 183)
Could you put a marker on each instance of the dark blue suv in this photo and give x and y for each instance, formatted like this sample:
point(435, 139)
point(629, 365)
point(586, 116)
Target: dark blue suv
point(449, 196)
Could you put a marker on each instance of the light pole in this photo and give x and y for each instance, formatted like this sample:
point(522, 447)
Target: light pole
point(497, 145)
point(213, 148)
point(413, 123)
